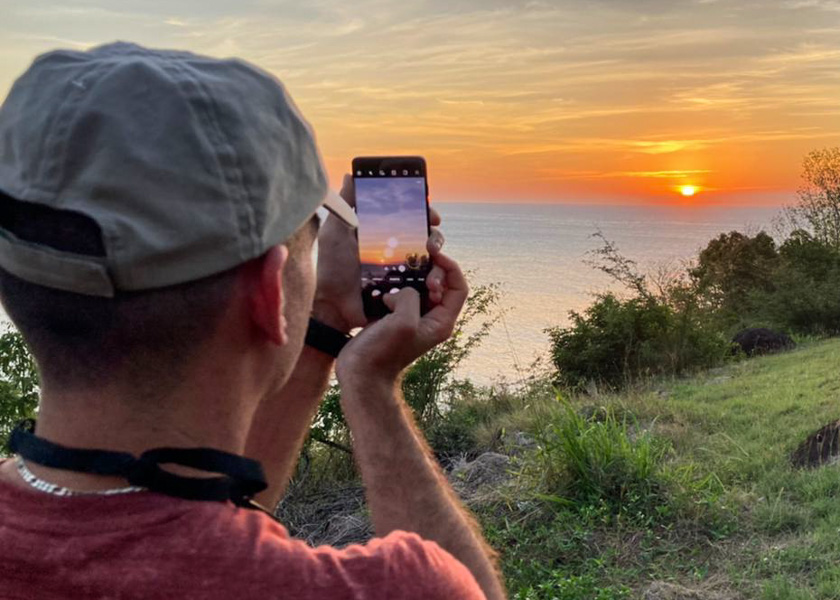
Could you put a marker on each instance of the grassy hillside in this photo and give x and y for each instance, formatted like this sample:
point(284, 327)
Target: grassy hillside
point(725, 510)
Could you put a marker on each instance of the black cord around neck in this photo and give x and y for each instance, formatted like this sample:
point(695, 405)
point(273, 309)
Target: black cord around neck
point(241, 478)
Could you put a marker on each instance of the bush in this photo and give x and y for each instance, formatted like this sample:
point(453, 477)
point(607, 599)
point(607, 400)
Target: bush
point(615, 342)
point(425, 382)
point(806, 297)
point(660, 329)
point(428, 384)
point(18, 384)
point(601, 460)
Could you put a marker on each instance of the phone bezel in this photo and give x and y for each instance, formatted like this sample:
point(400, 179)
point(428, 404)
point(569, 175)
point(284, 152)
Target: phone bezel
point(375, 164)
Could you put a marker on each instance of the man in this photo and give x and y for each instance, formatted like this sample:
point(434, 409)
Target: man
point(157, 223)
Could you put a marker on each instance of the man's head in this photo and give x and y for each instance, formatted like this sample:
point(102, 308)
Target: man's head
point(145, 196)
point(146, 340)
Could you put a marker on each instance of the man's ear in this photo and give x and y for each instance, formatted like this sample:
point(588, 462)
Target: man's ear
point(267, 299)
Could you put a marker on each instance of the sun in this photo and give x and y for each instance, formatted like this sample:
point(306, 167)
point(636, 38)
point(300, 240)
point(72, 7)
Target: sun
point(688, 190)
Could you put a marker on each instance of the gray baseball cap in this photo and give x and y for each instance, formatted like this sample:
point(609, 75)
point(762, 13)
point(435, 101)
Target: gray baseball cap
point(189, 165)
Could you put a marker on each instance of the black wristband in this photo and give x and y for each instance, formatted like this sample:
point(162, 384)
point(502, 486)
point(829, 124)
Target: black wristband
point(328, 340)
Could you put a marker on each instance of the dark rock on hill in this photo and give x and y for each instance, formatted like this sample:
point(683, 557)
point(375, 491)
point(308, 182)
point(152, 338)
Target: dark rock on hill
point(760, 340)
point(819, 448)
point(479, 480)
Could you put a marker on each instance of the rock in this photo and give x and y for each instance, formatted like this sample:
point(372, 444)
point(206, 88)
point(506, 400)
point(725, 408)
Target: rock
point(760, 340)
point(517, 442)
point(819, 448)
point(594, 413)
point(337, 516)
point(660, 590)
point(481, 477)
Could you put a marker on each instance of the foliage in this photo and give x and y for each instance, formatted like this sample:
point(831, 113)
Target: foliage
point(806, 295)
point(604, 459)
point(468, 412)
point(661, 331)
point(817, 209)
point(561, 586)
point(429, 381)
point(18, 383)
point(731, 268)
point(425, 381)
point(615, 342)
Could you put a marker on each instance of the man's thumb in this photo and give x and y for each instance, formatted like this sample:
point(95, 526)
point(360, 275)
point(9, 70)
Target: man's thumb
point(406, 302)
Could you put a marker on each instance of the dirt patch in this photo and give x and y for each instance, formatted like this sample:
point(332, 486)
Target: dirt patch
point(479, 480)
point(339, 516)
point(660, 590)
point(820, 448)
point(336, 517)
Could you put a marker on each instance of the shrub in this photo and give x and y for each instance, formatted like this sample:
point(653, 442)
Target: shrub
point(429, 382)
point(660, 329)
point(601, 460)
point(468, 414)
point(615, 342)
point(425, 382)
point(18, 384)
point(806, 297)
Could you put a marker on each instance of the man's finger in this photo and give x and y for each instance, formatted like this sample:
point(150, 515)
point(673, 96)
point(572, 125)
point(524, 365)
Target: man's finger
point(435, 242)
point(434, 217)
point(456, 285)
point(435, 284)
point(348, 190)
point(437, 324)
point(405, 310)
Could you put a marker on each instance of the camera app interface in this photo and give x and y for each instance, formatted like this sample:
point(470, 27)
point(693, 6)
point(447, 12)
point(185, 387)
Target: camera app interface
point(392, 236)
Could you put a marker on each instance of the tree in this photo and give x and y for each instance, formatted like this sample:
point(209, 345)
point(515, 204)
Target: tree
point(18, 384)
point(732, 267)
point(817, 209)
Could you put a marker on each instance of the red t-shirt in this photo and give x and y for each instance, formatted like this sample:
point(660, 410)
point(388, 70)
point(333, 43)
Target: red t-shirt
point(146, 545)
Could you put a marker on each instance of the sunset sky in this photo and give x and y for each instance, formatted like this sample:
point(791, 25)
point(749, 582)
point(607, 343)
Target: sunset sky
point(509, 100)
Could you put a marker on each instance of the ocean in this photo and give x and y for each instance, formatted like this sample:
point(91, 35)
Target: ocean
point(538, 254)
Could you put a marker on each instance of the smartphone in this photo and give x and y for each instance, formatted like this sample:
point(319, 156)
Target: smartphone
point(392, 203)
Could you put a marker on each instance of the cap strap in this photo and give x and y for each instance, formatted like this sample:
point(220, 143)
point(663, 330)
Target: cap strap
point(51, 268)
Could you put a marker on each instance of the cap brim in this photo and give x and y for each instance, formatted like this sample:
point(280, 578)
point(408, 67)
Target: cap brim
point(339, 207)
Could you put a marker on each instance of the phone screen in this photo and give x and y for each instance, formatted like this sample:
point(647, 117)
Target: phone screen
point(392, 206)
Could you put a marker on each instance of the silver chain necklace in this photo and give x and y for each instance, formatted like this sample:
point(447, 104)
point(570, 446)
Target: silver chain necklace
point(57, 490)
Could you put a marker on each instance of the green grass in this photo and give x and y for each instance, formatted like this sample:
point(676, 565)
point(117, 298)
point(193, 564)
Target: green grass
point(723, 508)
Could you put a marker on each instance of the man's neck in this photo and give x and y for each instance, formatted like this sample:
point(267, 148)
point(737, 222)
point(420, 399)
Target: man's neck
point(211, 414)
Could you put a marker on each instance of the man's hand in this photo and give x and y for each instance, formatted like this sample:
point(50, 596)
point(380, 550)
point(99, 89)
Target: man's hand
point(383, 349)
point(338, 295)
